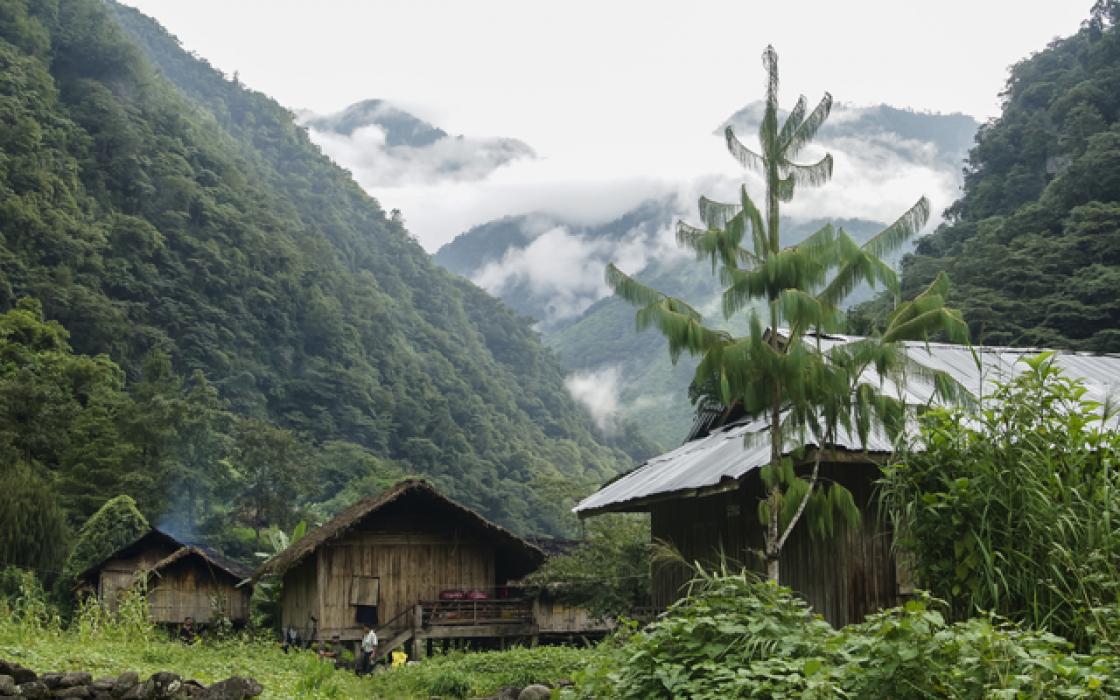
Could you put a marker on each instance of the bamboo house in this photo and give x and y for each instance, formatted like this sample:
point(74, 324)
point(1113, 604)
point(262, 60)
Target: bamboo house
point(703, 496)
point(181, 580)
point(411, 563)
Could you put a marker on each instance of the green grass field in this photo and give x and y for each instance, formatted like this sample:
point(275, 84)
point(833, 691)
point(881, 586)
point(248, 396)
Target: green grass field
point(300, 674)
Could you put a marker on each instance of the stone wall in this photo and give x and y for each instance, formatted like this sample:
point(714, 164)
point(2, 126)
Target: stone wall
point(19, 682)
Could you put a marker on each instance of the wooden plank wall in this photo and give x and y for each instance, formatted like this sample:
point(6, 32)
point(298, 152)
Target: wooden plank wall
point(189, 588)
point(118, 575)
point(555, 617)
point(411, 566)
point(844, 578)
point(300, 596)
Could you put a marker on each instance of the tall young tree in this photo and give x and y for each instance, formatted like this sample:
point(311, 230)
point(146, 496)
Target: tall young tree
point(780, 369)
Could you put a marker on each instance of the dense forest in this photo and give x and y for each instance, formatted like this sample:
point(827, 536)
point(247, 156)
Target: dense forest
point(1033, 245)
point(202, 311)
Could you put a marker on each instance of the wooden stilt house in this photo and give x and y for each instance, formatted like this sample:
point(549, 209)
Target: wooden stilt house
point(182, 580)
point(411, 563)
point(703, 497)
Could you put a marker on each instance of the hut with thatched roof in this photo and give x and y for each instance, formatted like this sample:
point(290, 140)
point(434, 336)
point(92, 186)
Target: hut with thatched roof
point(182, 580)
point(411, 563)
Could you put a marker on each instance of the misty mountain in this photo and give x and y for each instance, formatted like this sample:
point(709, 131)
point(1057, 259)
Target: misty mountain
point(400, 127)
point(552, 270)
point(158, 212)
point(384, 145)
point(944, 138)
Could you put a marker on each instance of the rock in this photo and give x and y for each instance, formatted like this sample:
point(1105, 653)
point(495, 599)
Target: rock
point(34, 690)
point(507, 693)
point(535, 692)
point(235, 688)
point(74, 691)
point(72, 679)
point(160, 686)
point(192, 689)
point(51, 680)
point(136, 692)
point(18, 673)
point(8, 685)
point(125, 682)
point(103, 685)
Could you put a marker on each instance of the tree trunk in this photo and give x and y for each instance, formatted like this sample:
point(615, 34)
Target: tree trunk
point(773, 545)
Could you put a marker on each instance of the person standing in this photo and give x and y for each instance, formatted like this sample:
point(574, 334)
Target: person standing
point(368, 650)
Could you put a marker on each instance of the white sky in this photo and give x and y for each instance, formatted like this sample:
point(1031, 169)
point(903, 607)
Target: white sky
point(615, 91)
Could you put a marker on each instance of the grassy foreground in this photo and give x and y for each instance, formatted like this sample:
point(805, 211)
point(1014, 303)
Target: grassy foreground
point(293, 675)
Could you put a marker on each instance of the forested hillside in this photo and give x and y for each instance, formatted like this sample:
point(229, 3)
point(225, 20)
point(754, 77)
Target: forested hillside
point(1033, 245)
point(209, 315)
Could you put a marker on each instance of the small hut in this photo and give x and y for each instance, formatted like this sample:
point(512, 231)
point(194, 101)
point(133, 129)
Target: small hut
point(703, 496)
point(411, 563)
point(182, 580)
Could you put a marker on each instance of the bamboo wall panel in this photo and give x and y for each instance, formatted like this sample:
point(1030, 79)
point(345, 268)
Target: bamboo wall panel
point(555, 617)
point(410, 568)
point(119, 574)
point(191, 589)
point(844, 577)
point(300, 597)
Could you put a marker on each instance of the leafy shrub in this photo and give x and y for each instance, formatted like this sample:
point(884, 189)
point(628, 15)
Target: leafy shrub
point(1015, 510)
point(481, 673)
point(114, 525)
point(317, 678)
point(736, 636)
point(451, 682)
point(726, 639)
point(608, 573)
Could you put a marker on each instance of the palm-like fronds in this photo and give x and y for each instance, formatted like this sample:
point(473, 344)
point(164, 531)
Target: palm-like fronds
point(807, 129)
point(892, 237)
point(746, 157)
point(807, 393)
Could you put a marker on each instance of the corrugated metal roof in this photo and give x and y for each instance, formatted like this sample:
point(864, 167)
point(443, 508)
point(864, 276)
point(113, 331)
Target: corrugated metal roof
point(729, 453)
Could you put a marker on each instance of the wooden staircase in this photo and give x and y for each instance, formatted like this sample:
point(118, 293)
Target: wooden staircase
point(387, 644)
point(383, 648)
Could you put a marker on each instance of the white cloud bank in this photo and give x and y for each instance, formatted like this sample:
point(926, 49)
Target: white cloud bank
point(598, 391)
point(460, 182)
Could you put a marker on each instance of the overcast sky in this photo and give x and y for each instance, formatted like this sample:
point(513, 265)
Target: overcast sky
point(617, 91)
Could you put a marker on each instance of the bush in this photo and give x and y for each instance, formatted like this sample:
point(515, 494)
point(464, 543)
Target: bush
point(114, 525)
point(608, 573)
point(481, 673)
point(1014, 510)
point(736, 636)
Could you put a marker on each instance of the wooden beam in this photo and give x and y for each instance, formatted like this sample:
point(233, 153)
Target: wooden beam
point(468, 631)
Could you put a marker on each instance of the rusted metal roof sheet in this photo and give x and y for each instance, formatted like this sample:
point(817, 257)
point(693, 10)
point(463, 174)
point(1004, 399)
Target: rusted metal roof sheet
point(727, 454)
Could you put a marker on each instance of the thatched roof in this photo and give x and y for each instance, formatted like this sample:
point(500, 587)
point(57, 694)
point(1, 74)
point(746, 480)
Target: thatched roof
point(231, 568)
point(519, 556)
point(157, 538)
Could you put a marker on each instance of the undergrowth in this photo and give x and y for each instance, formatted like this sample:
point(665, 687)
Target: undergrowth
point(105, 644)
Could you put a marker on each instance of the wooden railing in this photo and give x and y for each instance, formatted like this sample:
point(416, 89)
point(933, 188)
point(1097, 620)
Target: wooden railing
point(513, 611)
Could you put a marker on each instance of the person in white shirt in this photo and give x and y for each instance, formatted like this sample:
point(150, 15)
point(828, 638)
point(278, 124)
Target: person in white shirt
point(369, 650)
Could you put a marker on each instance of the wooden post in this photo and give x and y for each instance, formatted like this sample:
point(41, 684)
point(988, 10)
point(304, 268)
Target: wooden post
point(417, 628)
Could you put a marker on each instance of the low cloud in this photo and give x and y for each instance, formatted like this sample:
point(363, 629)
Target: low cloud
point(449, 159)
point(453, 184)
point(598, 390)
point(561, 269)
